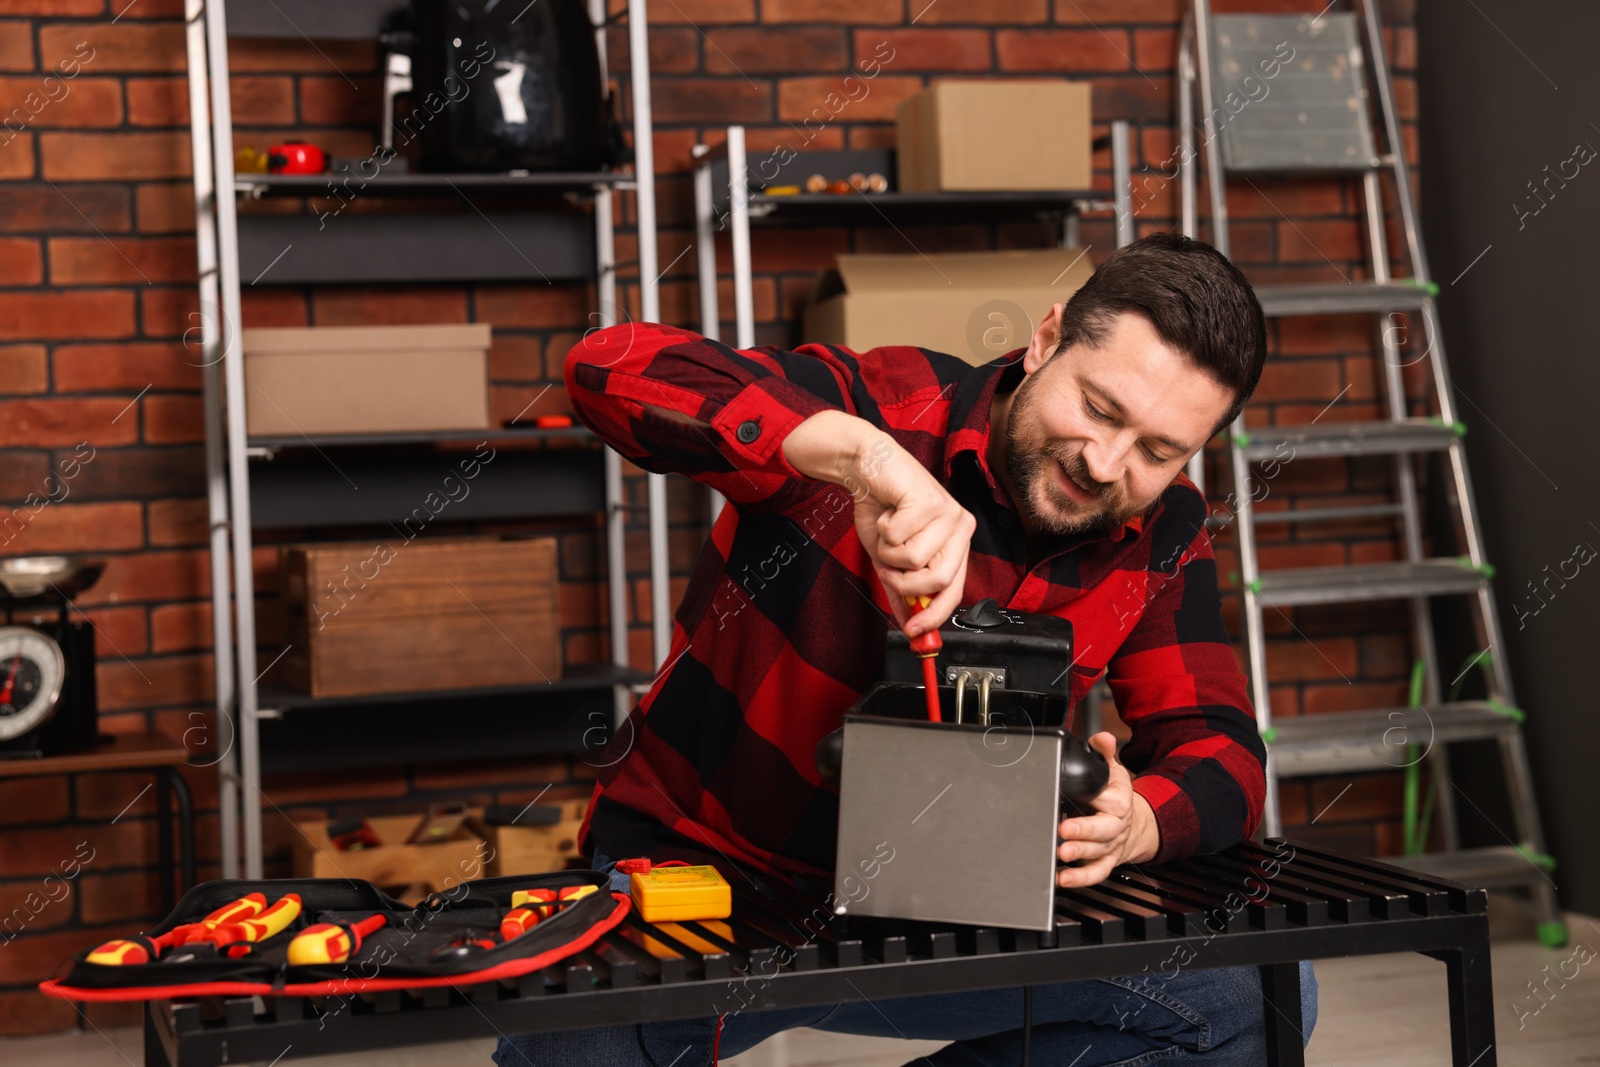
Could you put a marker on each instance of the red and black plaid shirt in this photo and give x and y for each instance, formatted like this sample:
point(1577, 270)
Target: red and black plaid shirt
point(782, 626)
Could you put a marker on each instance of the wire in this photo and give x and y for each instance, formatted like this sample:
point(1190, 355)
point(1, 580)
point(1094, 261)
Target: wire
point(638, 1029)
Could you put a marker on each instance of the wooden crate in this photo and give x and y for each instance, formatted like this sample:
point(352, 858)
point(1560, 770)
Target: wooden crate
point(535, 849)
point(400, 616)
point(409, 872)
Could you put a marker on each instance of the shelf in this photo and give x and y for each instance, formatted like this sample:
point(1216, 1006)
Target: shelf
point(258, 185)
point(472, 228)
point(582, 676)
point(376, 484)
point(460, 246)
point(498, 433)
point(856, 208)
point(573, 715)
point(810, 209)
point(353, 20)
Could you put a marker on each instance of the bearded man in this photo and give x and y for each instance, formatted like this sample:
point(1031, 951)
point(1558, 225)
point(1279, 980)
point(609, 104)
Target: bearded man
point(1050, 479)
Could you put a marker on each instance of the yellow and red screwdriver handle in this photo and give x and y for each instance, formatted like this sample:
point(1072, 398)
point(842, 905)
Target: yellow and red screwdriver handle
point(324, 943)
point(129, 951)
point(529, 906)
point(274, 920)
point(517, 922)
point(927, 646)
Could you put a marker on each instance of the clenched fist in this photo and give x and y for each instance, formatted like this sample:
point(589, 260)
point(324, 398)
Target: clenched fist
point(914, 532)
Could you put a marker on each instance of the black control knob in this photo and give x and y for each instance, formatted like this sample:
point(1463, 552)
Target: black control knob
point(1084, 772)
point(984, 615)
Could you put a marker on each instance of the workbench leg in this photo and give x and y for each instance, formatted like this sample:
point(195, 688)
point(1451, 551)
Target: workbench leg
point(1471, 1002)
point(155, 1053)
point(164, 839)
point(1280, 989)
point(180, 790)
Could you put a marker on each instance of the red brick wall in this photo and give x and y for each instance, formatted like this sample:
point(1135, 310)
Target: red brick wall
point(97, 269)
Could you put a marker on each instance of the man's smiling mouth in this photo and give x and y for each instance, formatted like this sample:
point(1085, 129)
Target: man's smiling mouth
point(1078, 487)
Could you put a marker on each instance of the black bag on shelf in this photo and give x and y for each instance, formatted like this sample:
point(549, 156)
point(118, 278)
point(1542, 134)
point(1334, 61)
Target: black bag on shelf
point(501, 86)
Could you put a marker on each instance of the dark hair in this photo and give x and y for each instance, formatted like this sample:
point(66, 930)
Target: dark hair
point(1198, 302)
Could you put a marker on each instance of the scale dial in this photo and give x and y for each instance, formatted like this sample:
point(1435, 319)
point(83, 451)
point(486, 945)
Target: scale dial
point(32, 670)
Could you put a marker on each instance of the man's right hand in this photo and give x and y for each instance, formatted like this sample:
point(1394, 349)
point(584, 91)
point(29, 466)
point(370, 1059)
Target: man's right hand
point(914, 532)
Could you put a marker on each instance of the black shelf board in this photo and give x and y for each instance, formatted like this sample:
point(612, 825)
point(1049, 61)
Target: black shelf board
point(416, 182)
point(579, 677)
point(337, 248)
point(572, 716)
point(353, 20)
point(494, 433)
point(319, 487)
point(810, 209)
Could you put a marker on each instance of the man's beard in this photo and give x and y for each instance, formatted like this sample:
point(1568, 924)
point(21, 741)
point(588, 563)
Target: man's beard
point(1032, 467)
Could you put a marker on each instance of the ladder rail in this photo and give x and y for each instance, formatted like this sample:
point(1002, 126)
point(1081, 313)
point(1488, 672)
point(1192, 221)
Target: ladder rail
point(1188, 213)
point(1378, 65)
point(1425, 646)
point(212, 341)
point(1210, 148)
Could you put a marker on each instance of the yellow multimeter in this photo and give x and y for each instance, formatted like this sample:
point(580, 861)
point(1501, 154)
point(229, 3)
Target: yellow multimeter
point(670, 894)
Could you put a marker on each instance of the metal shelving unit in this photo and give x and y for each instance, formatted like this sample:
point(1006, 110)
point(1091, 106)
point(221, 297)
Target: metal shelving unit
point(264, 482)
point(729, 162)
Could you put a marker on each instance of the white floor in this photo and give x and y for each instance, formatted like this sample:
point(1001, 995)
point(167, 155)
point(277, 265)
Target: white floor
point(1375, 1011)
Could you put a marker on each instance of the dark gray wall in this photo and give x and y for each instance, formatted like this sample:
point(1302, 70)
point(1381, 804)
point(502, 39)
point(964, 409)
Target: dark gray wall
point(1506, 89)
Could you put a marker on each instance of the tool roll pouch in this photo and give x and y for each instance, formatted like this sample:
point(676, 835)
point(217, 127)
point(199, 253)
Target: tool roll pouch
point(411, 950)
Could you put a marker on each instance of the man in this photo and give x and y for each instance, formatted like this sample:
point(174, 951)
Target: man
point(1052, 482)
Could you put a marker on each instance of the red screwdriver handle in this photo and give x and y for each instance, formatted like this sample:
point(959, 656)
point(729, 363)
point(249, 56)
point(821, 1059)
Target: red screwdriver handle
point(927, 646)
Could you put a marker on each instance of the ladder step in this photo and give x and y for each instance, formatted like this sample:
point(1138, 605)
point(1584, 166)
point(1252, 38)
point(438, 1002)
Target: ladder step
point(1497, 867)
point(1376, 740)
point(1370, 581)
point(1363, 511)
point(1337, 298)
point(1369, 438)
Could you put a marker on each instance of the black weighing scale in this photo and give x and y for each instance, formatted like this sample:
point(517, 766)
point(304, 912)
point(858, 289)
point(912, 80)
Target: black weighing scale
point(48, 704)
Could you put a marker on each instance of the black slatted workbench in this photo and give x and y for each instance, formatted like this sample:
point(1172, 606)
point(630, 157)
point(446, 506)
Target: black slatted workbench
point(782, 948)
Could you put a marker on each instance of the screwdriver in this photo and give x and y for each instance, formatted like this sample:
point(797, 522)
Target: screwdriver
point(927, 646)
point(326, 943)
point(517, 922)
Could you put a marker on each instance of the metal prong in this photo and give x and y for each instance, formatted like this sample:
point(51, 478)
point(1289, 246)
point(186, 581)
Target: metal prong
point(983, 697)
point(961, 689)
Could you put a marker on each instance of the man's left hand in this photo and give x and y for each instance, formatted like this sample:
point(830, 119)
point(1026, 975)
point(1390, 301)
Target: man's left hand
point(1121, 829)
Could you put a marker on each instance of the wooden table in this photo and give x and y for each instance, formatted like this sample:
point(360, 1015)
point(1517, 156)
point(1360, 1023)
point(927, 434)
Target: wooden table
point(153, 752)
point(783, 948)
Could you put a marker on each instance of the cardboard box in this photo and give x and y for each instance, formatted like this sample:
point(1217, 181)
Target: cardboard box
point(986, 136)
point(397, 616)
point(975, 305)
point(366, 379)
point(410, 872)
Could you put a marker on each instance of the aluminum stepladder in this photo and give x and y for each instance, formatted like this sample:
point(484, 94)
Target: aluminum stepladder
point(1264, 110)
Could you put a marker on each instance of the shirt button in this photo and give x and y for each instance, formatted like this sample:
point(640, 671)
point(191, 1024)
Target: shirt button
point(748, 431)
point(1007, 519)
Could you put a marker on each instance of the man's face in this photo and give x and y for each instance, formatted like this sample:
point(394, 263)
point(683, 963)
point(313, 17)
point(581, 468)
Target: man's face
point(1096, 434)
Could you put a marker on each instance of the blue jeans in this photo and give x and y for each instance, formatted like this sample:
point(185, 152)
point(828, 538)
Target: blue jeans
point(1212, 1016)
